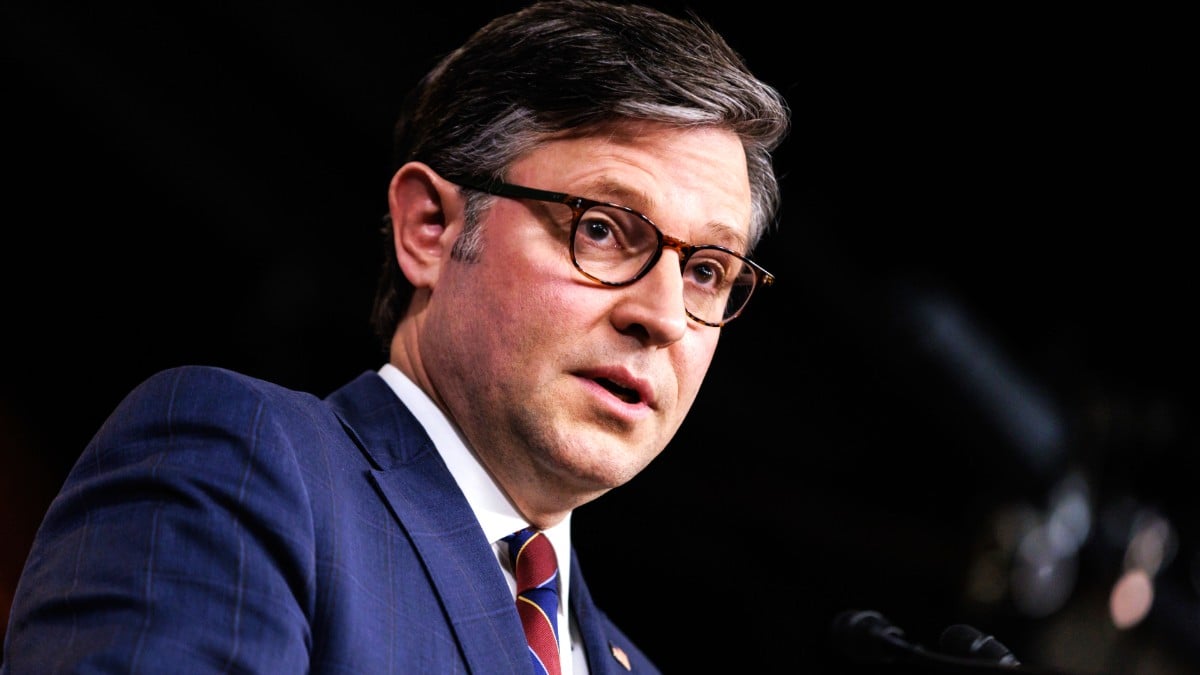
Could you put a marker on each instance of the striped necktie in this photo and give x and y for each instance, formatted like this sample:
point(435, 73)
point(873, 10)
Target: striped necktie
point(536, 571)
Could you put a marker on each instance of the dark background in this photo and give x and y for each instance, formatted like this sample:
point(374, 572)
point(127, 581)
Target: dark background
point(985, 298)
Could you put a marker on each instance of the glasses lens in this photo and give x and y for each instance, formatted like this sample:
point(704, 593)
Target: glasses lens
point(717, 284)
point(612, 244)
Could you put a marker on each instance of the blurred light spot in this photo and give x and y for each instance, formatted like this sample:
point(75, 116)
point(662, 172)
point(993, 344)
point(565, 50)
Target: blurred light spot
point(1131, 598)
point(1071, 509)
point(1152, 544)
point(1020, 409)
point(1042, 576)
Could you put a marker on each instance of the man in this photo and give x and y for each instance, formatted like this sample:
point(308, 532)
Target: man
point(578, 187)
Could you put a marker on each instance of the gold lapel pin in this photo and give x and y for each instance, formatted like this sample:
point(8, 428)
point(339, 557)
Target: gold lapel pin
point(620, 655)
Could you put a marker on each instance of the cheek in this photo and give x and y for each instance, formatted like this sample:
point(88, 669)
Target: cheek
point(691, 366)
point(543, 292)
point(532, 316)
point(527, 277)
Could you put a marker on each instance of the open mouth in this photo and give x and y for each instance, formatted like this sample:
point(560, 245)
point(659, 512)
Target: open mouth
point(625, 394)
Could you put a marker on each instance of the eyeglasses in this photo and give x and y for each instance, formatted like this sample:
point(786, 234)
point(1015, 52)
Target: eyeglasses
point(615, 246)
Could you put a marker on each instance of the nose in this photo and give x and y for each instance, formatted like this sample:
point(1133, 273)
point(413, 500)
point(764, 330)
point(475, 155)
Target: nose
point(652, 307)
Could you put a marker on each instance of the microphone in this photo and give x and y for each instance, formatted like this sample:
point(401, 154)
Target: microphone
point(867, 637)
point(963, 640)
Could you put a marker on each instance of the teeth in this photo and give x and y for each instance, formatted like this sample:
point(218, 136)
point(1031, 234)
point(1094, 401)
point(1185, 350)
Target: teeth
point(623, 393)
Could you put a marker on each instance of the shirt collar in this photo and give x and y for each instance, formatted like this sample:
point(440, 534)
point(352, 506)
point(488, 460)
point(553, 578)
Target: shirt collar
point(495, 513)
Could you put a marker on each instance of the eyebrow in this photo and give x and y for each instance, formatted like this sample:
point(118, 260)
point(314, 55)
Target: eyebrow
point(618, 193)
point(614, 191)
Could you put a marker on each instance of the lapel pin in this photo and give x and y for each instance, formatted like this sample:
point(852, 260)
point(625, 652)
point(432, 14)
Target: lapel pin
point(620, 655)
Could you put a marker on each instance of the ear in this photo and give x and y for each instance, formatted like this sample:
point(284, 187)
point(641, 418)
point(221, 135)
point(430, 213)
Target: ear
point(426, 213)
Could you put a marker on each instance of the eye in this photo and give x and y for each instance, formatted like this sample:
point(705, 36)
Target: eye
point(596, 228)
point(611, 231)
point(613, 244)
point(703, 273)
point(711, 270)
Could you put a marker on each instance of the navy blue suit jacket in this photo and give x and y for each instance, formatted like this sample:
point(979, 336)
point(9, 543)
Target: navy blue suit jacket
point(220, 523)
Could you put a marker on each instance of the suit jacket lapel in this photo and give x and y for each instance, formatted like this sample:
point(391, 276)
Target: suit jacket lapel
point(434, 513)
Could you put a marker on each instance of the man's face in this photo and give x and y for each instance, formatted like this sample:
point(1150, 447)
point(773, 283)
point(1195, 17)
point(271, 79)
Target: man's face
point(564, 387)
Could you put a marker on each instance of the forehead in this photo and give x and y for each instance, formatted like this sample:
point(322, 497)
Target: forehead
point(688, 180)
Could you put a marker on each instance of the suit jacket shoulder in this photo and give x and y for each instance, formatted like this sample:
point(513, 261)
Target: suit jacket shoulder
point(220, 522)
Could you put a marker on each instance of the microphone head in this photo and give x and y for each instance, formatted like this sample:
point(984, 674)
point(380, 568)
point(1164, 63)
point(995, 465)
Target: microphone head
point(865, 635)
point(968, 641)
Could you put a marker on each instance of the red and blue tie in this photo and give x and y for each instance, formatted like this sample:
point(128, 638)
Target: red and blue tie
point(536, 571)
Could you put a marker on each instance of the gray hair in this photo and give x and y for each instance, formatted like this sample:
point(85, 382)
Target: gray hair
point(574, 67)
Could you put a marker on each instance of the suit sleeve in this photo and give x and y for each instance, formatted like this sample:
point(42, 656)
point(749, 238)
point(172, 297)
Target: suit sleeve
point(180, 542)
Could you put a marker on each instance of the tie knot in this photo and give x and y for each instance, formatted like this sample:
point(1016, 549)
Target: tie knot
point(533, 560)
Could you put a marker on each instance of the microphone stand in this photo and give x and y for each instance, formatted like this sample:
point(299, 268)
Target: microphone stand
point(866, 637)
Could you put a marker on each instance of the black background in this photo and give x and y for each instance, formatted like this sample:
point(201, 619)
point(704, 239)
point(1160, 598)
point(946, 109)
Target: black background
point(203, 184)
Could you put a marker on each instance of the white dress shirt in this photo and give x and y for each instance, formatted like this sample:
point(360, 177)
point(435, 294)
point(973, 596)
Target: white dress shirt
point(495, 513)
